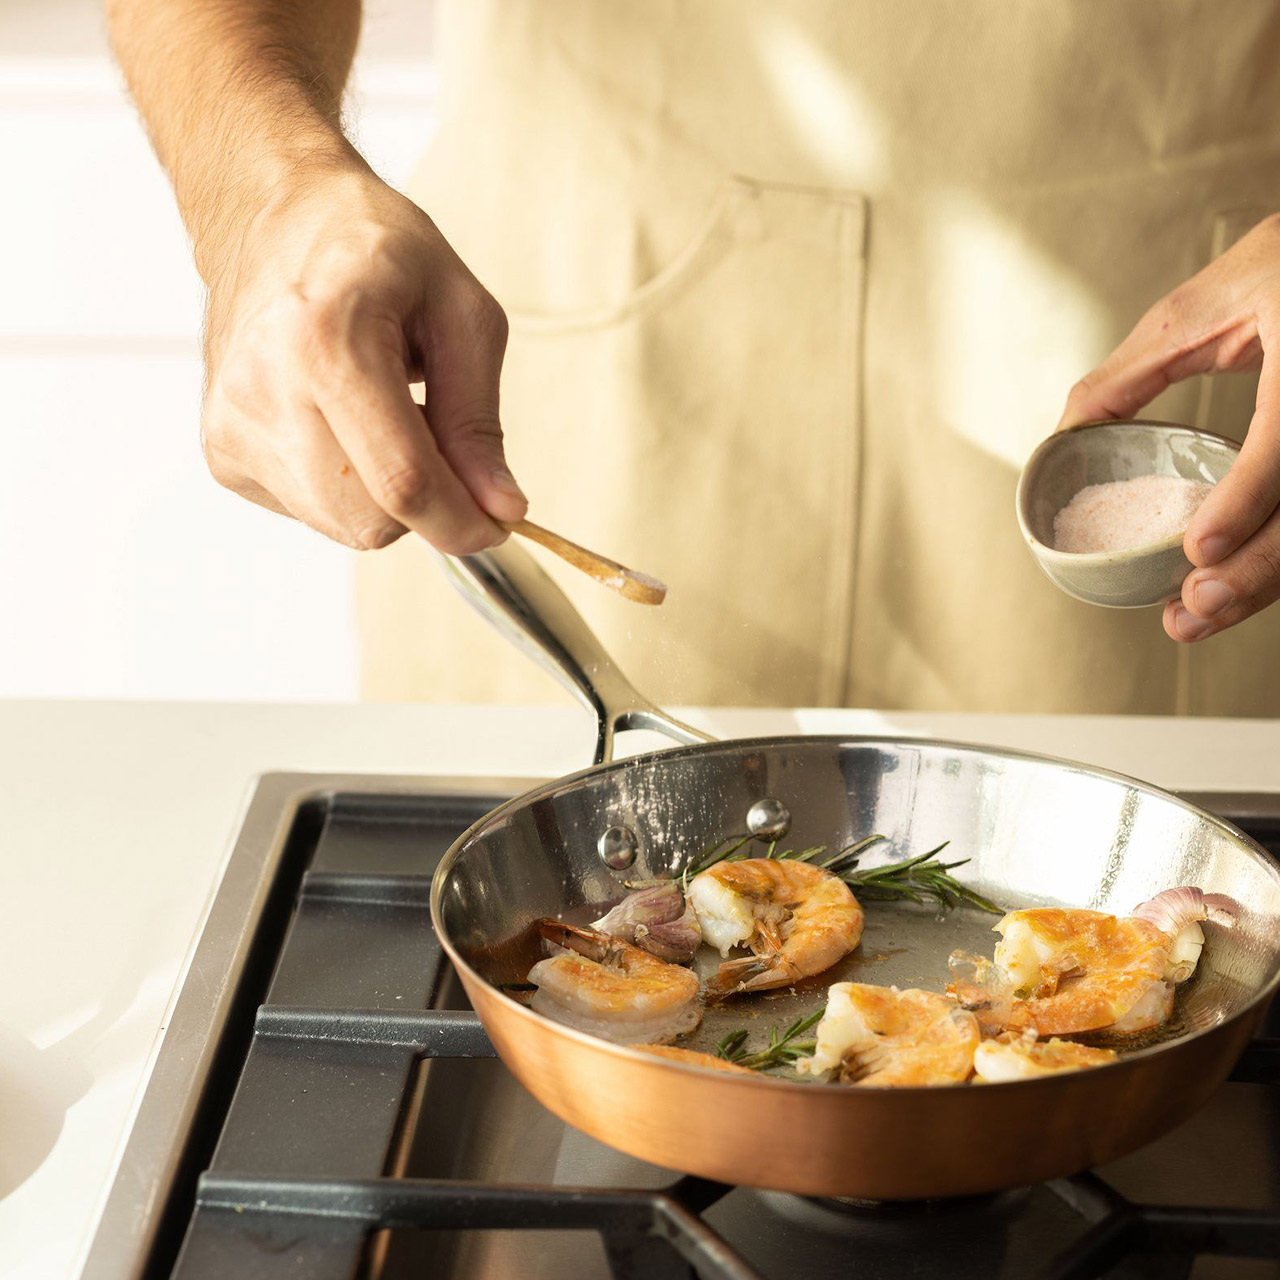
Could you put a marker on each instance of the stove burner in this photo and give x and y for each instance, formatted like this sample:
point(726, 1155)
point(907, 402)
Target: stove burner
point(907, 1208)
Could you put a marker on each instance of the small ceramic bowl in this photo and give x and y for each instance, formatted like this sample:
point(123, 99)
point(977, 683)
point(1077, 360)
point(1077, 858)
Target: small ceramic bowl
point(1098, 453)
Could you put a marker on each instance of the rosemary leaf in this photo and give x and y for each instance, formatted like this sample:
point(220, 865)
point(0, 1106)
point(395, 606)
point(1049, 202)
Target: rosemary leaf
point(731, 1046)
point(849, 855)
point(782, 1050)
point(713, 853)
point(804, 854)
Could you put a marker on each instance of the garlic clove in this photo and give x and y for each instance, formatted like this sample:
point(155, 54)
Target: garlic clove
point(1173, 910)
point(657, 919)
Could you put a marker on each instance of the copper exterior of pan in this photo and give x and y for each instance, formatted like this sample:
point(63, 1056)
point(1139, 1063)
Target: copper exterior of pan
point(881, 1144)
point(1036, 829)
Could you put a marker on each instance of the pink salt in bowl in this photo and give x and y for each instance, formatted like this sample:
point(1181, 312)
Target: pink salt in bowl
point(1099, 453)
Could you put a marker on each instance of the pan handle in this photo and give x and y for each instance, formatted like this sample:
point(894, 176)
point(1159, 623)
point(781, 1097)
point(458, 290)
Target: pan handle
point(514, 593)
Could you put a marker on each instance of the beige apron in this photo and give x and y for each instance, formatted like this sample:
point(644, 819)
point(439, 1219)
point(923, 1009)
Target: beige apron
point(795, 288)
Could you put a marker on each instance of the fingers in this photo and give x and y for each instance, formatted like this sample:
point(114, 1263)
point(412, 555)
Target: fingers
point(1131, 377)
point(1234, 589)
point(1246, 496)
point(1209, 323)
point(366, 402)
point(312, 341)
point(462, 365)
point(232, 478)
point(1234, 539)
point(1224, 318)
point(310, 477)
point(1168, 344)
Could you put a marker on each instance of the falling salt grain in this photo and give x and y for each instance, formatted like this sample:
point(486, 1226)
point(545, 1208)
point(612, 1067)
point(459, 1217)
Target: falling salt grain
point(1125, 514)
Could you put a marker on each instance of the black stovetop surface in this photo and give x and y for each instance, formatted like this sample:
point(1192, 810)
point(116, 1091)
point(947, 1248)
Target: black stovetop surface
point(357, 1124)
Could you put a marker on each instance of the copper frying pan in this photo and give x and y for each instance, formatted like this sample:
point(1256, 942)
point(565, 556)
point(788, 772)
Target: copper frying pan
point(1035, 829)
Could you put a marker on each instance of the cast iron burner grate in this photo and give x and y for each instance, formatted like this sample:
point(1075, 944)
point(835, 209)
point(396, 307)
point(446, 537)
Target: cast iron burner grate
point(301, 1160)
point(657, 1235)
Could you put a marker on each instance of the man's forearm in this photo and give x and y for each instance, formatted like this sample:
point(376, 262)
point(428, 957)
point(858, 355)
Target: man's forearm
point(238, 96)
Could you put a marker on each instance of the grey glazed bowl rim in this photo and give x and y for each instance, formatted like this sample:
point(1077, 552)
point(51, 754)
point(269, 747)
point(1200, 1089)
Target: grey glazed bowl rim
point(1104, 557)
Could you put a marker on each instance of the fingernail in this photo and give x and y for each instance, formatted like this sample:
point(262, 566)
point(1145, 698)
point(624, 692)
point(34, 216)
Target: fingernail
point(1214, 549)
point(505, 482)
point(1212, 597)
point(1189, 627)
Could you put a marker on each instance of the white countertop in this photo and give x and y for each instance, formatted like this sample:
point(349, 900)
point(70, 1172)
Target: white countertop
point(118, 816)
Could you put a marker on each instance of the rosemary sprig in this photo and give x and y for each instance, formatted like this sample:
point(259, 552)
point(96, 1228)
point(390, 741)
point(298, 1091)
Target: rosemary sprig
point(918, 878)
point(782, 1050)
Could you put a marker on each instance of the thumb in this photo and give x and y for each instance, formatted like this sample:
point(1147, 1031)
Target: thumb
point(461, 371)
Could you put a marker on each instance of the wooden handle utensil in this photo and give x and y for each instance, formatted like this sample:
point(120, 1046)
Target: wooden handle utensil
point(626, 582)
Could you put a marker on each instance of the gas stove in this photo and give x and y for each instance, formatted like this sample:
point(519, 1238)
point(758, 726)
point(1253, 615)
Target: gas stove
point(324, 1104)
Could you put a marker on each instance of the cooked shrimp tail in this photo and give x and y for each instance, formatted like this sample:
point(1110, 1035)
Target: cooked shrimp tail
point(595, 944)
point(1074, 970)
point(750, 973)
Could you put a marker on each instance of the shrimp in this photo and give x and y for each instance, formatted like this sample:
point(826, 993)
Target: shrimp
point(797, 919)
point(1022, 1057)
point(693, 1058)
point(608, 988)
point(883, 1036)
point(1062, 971)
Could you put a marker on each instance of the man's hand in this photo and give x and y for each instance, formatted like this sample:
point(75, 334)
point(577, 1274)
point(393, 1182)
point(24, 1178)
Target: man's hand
point(340, 294)
point(328, 292)
point(1227, 317)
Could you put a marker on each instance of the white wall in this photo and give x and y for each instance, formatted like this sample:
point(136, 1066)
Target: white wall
point(124, 570)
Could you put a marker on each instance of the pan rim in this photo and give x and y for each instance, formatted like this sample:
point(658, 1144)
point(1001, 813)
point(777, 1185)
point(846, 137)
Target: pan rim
point(633, 1055)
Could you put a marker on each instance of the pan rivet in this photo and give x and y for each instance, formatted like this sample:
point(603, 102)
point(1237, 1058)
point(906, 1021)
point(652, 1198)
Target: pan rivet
point(769, 819)
point(618, 847)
